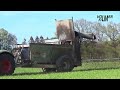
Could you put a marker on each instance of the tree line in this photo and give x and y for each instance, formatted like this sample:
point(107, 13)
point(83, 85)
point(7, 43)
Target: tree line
point(108, 39)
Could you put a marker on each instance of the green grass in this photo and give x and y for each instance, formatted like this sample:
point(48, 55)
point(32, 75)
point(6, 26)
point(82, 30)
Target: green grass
point(91, 70)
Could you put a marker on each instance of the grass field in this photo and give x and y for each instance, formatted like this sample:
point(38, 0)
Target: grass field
point(91, 70)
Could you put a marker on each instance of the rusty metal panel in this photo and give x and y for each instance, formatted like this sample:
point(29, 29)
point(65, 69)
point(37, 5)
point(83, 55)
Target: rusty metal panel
point(65, 29)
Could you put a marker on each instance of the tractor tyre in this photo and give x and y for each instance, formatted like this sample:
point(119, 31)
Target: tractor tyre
point(7, 64)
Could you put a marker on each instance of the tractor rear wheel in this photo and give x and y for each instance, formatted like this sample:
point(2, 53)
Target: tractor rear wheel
point(64, 64)
point(7, 64)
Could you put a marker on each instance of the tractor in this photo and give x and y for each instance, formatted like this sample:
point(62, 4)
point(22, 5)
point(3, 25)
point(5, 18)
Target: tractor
point(61, 57)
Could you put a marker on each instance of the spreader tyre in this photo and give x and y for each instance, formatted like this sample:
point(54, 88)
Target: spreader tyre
point(64, 64)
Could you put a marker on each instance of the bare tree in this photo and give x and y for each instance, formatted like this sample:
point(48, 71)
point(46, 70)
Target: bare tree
point(83, 26)
point(98, 28)
point(112, 32)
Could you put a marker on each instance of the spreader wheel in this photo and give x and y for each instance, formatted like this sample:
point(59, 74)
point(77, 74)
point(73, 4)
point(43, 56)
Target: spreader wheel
point(64, 64)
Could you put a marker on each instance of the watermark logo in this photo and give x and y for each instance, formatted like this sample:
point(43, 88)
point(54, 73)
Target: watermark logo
point(104, 17)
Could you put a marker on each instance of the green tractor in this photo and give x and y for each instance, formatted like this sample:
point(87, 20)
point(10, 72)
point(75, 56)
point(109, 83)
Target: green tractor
point(61, 57)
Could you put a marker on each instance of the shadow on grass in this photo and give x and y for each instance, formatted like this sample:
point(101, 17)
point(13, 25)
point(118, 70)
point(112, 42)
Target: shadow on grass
point(38, 73)
point(26, 73)
point(92, 69)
